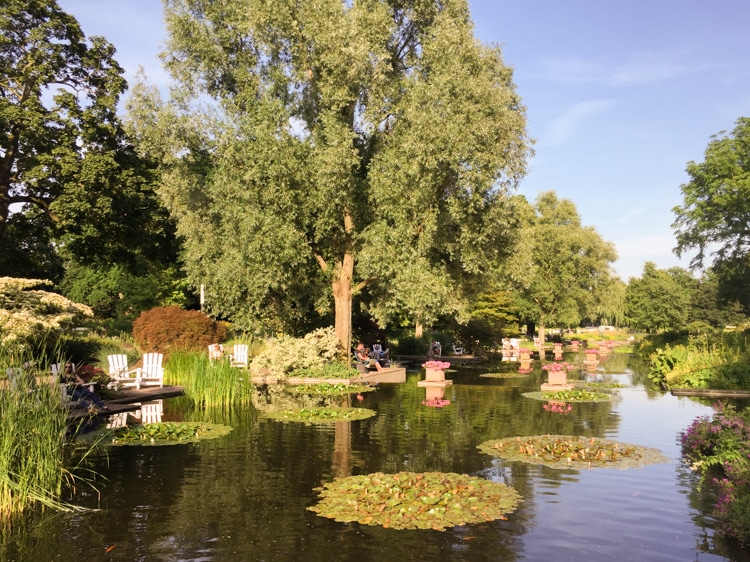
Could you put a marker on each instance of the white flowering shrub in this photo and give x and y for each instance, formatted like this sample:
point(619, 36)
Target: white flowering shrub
point(28, 314)
point(280, 356)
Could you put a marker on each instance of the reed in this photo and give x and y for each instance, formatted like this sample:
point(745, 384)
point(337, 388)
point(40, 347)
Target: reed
point(208, 384)
point(32, 442)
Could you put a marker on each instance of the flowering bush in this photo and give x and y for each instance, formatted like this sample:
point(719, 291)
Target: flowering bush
point(524, 350)
point(436, 365)
point(560, 366)
point(28, 314)
point(592, 351)
point(719, 448)
point(285, 354)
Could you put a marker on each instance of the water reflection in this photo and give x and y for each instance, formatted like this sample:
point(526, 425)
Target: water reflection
point(244, 497)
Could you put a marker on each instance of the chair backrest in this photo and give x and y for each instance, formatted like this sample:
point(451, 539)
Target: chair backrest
point(239, 354)
point(376, 347)
point(152, 364)
point(514, 343)
point(215, 351)
point(118, 364)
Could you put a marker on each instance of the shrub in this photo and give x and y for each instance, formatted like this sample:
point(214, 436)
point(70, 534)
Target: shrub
point(170, 328)
point(283, 355)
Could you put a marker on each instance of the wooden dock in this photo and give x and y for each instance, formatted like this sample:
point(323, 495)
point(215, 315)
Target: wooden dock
point(710, 393)
point(126, 400)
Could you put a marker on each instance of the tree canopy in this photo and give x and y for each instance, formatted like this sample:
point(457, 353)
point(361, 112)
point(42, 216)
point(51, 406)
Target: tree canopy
point(714, 217)
point(560, 267)
point(316, 148)
point(64, 159)
point(658, 300)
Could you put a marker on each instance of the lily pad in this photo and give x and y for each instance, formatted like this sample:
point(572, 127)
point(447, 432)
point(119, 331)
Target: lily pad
point(415, 500)
point(167, 433)
point(328, 389)
point(321, 415)
point(570, 396)
point(566, 451)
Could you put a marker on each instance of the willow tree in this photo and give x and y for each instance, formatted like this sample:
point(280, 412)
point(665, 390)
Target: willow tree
point(561, 268)
point(313, 148)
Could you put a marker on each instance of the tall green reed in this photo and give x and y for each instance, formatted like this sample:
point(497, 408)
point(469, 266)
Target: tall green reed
point(209, 384)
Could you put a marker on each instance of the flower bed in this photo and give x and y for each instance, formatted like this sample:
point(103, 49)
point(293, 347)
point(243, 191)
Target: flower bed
point(437, 365)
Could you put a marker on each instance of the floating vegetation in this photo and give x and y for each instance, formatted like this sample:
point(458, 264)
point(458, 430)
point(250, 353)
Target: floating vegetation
point(602, 384)
point(570, 396)
point(412, 500)
point(168, 433)
point(328, 389)
point(321, 415)
point(565, 451)
point(512, 375)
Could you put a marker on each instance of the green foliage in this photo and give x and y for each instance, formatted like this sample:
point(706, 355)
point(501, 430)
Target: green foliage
point(64, 152)
point(560, 268)
point(322, 414)
point(328, 389)
point(353, 145)
point(561, 451)
point(716, 203)
point(29, 315)
point(171, 328)
point(167, 433)
point(284, 355)
point(658, 300)
point(411, 500)
point(333, 370)
point(208, 384)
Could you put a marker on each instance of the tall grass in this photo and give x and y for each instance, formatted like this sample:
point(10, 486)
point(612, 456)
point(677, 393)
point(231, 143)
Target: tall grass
point(32, 442)
point(208, 384)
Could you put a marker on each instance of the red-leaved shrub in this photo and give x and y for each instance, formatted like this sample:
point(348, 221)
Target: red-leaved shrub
point(170, 328)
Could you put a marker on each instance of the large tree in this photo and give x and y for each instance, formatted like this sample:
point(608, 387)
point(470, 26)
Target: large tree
point(714, 218)
point(64, 158)
point(345, 144)
point(560, 268)
point(659, 299)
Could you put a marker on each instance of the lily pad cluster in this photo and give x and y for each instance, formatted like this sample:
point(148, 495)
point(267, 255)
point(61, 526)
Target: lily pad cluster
point(511, 375)
point(570, 396)
point(415, 500)
point(321, 415)
point(603, 384)
point(565, 451)
point(328, 389)
point(168, 433)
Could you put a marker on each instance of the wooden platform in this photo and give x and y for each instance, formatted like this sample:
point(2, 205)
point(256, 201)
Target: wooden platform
point(127, 400)
point(709, 393)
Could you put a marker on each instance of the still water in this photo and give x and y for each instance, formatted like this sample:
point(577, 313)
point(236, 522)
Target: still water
point(244, 496)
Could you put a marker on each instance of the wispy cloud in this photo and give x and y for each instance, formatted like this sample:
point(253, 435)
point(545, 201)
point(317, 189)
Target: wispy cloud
point(562, 127)
point(642, 67)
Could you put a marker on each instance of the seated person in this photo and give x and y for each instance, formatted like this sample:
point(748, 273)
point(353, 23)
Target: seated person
point(435, 349)
point(80, 392)
point(215, 351)
point(363, 356)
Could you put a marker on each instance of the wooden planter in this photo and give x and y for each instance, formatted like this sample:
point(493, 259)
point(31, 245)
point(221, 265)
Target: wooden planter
point(557, 378)
point(574, 345)
point(434, 375)
point(525, 356)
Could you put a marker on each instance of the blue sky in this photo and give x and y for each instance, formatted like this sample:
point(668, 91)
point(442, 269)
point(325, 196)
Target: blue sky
point(620, 96)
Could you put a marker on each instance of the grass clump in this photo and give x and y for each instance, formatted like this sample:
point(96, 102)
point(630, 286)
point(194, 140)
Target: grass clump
point(209, 384)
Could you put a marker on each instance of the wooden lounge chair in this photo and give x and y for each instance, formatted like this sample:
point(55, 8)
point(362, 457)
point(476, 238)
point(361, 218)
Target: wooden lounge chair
point(457, 350)
point(151, 373)
point(239, 356)
point(120, 373)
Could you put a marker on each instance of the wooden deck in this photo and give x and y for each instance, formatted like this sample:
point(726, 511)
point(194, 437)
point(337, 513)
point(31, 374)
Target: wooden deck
point(127, 400)
point(710, 393)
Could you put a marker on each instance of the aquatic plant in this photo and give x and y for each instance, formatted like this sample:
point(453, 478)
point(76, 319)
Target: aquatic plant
point(321, 415)
point(415, 500)
point(167, 433)
point(441, 365)
point(570, 396)
point(564, 451)
point(208, 384)
point(328, 389)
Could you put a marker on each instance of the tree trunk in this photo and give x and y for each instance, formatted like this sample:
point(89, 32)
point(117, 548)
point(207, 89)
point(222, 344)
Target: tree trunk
point(342, 298)
point(418, 329)
point(541, 336)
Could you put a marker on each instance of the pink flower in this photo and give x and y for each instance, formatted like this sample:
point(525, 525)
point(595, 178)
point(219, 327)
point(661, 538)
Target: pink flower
point(436, 365)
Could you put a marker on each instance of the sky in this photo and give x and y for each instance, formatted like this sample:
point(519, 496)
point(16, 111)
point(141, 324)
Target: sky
point(620, 95)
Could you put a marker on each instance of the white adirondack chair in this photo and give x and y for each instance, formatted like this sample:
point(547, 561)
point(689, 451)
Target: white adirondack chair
point(151, 412)
point(151, 373)
point(239, 355)
point(215, 351)
point(457, 350)
point(118, 371)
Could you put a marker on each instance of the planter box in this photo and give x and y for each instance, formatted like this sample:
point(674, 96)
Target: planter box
point(556, 378)
point(435, 375)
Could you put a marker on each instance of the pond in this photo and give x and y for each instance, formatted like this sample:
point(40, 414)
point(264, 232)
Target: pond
point(245, 496)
